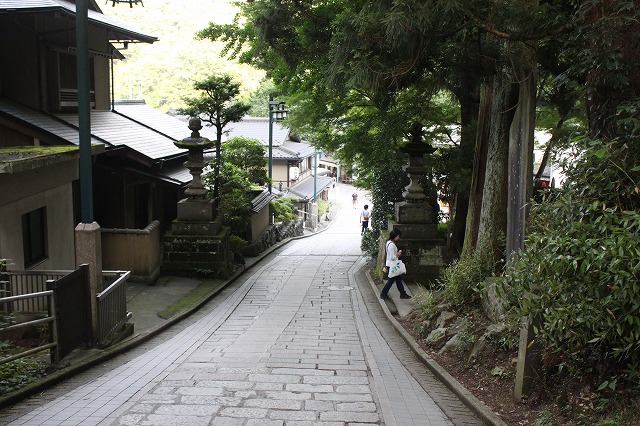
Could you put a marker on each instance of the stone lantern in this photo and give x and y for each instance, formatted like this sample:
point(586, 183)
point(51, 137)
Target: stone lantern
point(197, 213)
point(197, 240)
point(423, 249)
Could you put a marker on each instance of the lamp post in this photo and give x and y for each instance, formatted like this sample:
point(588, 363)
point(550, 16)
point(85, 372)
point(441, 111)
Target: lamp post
point(277, 112)
point(315, 173)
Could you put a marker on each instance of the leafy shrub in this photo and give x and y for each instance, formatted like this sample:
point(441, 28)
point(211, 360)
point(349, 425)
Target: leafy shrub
point(15, 374)
point(369, 244)
point(284, 209)
point(578, 279)
point(322, 207)
point(426, 304)
point(236, 243)
point(463, 280)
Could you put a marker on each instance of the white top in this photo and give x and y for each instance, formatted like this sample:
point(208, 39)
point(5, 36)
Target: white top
point(392, 253)
point(365, 215)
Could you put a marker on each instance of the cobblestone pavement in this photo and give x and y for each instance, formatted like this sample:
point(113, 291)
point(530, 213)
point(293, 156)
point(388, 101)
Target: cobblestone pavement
point(298, 342)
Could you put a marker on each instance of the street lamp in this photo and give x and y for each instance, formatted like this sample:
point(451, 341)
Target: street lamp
point(277, 112)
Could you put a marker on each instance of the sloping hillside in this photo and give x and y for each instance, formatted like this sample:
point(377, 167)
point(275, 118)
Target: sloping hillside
point(163, 73)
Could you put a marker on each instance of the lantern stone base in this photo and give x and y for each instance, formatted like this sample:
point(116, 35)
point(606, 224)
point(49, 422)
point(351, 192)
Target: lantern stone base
point(423, 251)
point(197, 217)
point(193, 254)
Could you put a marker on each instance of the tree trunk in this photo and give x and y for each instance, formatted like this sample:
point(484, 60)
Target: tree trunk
point(479, 169)
point(547, 150)
point(493, 213)
point(468, 117)
point(520, 183)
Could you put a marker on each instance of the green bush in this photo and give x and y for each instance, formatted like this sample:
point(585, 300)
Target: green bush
point(18, 373)
point(369, 244)
point(236, 243)
point(426, 304)
point(284, 209)
point(463, 281)
point(578, 279)
point(322, 207)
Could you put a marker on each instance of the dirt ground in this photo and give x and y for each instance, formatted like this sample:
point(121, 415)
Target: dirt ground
point(490, 376)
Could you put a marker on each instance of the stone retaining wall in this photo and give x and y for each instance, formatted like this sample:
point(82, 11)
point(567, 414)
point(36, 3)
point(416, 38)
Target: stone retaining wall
point(272, 235)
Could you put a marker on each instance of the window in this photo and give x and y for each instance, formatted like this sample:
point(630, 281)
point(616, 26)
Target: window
point(62, 81)
point(34, 236)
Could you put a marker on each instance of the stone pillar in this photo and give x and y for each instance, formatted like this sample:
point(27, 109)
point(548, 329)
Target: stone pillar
point(88, 239)
point(529, 361)
point(314, 216)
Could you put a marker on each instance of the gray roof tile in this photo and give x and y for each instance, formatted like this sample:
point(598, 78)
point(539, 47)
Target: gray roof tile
point(118, 28)
point(304, 189)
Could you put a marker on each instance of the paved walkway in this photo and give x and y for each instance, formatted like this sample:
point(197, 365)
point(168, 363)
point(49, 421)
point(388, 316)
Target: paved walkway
point(297, 342)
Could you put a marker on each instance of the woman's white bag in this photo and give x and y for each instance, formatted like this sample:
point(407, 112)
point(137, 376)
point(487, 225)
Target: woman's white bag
point(397, 268)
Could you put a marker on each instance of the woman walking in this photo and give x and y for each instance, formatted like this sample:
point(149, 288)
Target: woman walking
point(392, 255)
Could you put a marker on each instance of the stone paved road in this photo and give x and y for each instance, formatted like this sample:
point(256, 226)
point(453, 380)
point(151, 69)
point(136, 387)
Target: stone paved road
point(296, 343)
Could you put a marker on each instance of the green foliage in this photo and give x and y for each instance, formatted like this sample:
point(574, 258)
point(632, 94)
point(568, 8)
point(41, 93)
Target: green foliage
point(235, 203)
point(242, 168)
point(426, 304)
point(217, 103)
point(578, 279)
point(284, 209)
point(369, 243)
point(248, 156)
point(18, 373)
point(322, 207)
point(236, 243)
point(464, 279)
point(545, 418)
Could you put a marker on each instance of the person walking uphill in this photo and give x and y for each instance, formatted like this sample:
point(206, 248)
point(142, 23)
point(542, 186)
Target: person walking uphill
point(392, 255)
point(354, 199)
point(364, 218)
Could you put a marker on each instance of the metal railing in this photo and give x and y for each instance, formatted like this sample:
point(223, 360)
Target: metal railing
point(49, 319)
point(30, 282)
point(27, 288)
point(112, 305)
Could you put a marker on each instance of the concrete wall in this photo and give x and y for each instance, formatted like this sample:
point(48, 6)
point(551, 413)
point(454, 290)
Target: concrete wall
point(49, 187)
point(135, 250)
point(259, 222)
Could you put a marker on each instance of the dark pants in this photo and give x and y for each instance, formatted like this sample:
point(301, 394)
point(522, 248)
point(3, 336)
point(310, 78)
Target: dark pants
point(398, 281)
point(365, 226)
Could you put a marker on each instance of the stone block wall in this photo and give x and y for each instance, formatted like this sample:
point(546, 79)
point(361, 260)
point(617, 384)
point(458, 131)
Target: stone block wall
point(272, 235)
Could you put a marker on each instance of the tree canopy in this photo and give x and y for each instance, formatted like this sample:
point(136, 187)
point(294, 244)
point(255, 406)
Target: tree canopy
point(217, 105)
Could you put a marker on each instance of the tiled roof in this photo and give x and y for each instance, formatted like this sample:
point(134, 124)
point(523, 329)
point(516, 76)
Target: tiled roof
point(258, 128)
point(147, 131)
point(304, 189)
point(297, 150)
point(260, 201)
point(47, 123)
point(118, 30)
point(107, 128)
point(173, 126)
point(118, 130)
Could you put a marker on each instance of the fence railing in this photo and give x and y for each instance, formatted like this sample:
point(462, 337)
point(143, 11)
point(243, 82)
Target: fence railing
point(112, 305)
point(26, 295)
point(29, 282)
point(49, 319)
